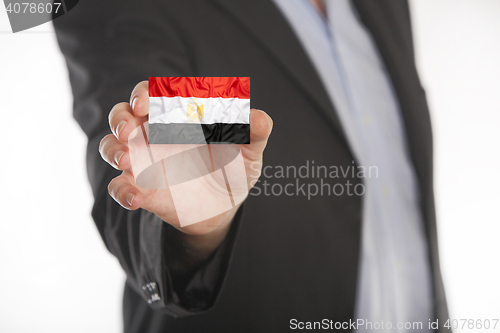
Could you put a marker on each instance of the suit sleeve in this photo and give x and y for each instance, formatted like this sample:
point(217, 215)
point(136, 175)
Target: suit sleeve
point(109, 47)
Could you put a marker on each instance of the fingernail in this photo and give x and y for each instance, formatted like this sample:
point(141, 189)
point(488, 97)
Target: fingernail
point(118, 157)
point(130, 198)
point(134, 102)
point(120, 127)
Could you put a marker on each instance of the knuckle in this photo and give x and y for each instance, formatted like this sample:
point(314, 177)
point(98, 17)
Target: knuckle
point(143, 85)
point(116, 110)
point(103, 143)
point(114, 188)
point(111, 188)
point(113, 111)
point(140, 89)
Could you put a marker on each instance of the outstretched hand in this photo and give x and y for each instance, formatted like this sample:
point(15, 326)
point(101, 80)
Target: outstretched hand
point(125, 119)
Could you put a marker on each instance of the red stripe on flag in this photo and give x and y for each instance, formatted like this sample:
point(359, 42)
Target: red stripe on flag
point(201, 87)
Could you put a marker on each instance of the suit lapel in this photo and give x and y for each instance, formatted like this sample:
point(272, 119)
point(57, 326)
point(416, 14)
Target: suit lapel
point(265, 23)
point(387, 21)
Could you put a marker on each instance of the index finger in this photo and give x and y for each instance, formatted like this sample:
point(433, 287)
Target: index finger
point(139, 99)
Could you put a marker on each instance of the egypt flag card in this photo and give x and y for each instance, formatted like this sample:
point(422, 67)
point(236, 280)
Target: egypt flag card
point(199, 110)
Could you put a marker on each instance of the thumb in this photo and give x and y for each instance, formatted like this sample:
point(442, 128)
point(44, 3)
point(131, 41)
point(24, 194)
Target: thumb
point(261, 126)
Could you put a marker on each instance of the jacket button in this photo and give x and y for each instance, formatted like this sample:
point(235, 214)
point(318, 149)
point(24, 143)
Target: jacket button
point(152, 292)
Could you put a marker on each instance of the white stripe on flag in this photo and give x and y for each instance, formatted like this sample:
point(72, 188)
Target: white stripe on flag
point(167, 110)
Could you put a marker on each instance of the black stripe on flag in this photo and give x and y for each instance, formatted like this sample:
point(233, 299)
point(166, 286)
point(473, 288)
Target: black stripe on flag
point(199, 133)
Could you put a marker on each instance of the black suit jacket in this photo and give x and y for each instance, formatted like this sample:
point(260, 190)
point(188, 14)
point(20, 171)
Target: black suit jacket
point(286, 256)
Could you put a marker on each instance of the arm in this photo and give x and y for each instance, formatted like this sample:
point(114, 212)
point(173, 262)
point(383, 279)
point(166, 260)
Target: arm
point(105, 59)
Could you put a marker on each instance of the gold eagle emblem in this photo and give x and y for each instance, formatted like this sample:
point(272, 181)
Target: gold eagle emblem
point(195, 112)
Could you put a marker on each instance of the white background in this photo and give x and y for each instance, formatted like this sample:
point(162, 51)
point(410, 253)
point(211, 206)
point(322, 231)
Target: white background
point(55, 273)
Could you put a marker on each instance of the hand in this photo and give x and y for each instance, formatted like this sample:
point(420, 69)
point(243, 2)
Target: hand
point(124, 118)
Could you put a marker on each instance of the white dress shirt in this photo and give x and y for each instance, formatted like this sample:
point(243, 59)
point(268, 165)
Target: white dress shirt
point(394, 281)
